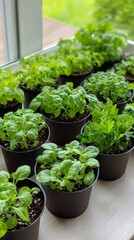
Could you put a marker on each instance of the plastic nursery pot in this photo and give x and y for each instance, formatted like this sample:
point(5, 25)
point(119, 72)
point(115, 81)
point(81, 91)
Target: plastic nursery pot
point(121, 105)
point(68, 204)
point(129, 77)
point(15, 159)
point(64, 132)
point(31, 231)
point(29, 95)
point(113, 167)
point(75, 78)
point(13, 108)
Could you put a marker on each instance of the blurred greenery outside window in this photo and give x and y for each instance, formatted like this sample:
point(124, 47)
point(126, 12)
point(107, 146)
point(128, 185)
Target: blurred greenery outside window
point(79, 13)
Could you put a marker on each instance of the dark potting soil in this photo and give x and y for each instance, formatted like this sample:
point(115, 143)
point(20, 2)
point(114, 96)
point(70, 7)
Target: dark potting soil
point(62, 118)
point(36, 90)
point(9, 105)
point(43, 135)
point(129, 77)
point(114, 150)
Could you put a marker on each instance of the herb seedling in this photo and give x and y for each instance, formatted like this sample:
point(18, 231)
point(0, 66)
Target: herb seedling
point(68, 169)
point(9, 88)
point(14, 200)
point(108, 85)
point(20, 130)
point(65, 102)
point(110, 132)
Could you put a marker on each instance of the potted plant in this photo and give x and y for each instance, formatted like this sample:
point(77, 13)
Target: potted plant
point(79, 63)
point(126, 68)
point(21, 135)
point(65, 110)
point(105, 39)
point(112, 134)
point(35, 76)
point(67, 175)
point(11, 96)
point(22, 202)
point(109, 85)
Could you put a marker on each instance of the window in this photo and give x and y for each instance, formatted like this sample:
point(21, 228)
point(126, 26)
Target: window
point(20, 29)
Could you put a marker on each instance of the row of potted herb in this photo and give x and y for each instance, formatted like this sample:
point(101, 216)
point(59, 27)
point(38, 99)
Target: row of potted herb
point(72, 168)
point(65, 169)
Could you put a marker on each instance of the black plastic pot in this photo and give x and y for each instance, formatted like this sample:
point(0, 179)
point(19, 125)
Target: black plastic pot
point(113, 167)
point(10, 109)
point(15, 159)
point(75, 78)
point(121, 105)
point(29, 95)
point(30, 232)
point(64, 132)
point(68, 204)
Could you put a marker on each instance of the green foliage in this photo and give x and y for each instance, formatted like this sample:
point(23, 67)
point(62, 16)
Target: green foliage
point(9, 88)
point(119, 12)
point(77, 59)
point(14, 201)
point(21, 129)
point(82, 12)
point(104, 39)
point(64, 102)
point(108, 85)
point(36, 74)
point(65, 169)
point(126, 66)
point(108, 131)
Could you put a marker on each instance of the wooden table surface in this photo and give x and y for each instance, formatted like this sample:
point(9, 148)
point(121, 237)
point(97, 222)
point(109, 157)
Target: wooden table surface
point(110, 214)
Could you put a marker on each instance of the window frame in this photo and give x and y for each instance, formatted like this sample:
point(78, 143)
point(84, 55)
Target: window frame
point(22, 28)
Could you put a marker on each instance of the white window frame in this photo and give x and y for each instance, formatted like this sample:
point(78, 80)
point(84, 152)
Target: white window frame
point(22, 27)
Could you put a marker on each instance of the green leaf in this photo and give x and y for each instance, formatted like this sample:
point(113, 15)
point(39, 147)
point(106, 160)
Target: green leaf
point(65, 166)
point(25, 195)
point(4, 177)
point(92, 162)
point(89, 178)
point(49, 146)
point(21, 173)
point(11, 222)
point(44, 176)
point(91, 151)
point(3, 229)
point(35, 190)
point(22, 212)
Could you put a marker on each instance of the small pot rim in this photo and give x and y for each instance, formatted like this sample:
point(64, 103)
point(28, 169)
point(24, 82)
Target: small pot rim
point(67, 123)
point(117, 154)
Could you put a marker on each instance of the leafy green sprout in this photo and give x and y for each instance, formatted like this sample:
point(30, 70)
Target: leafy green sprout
point(9, 88)
point(109, 131)
point(21, 129)
point(126, 66)
point(14, 200)
point(108, 85)
point(68, 168)
point(65, 101)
